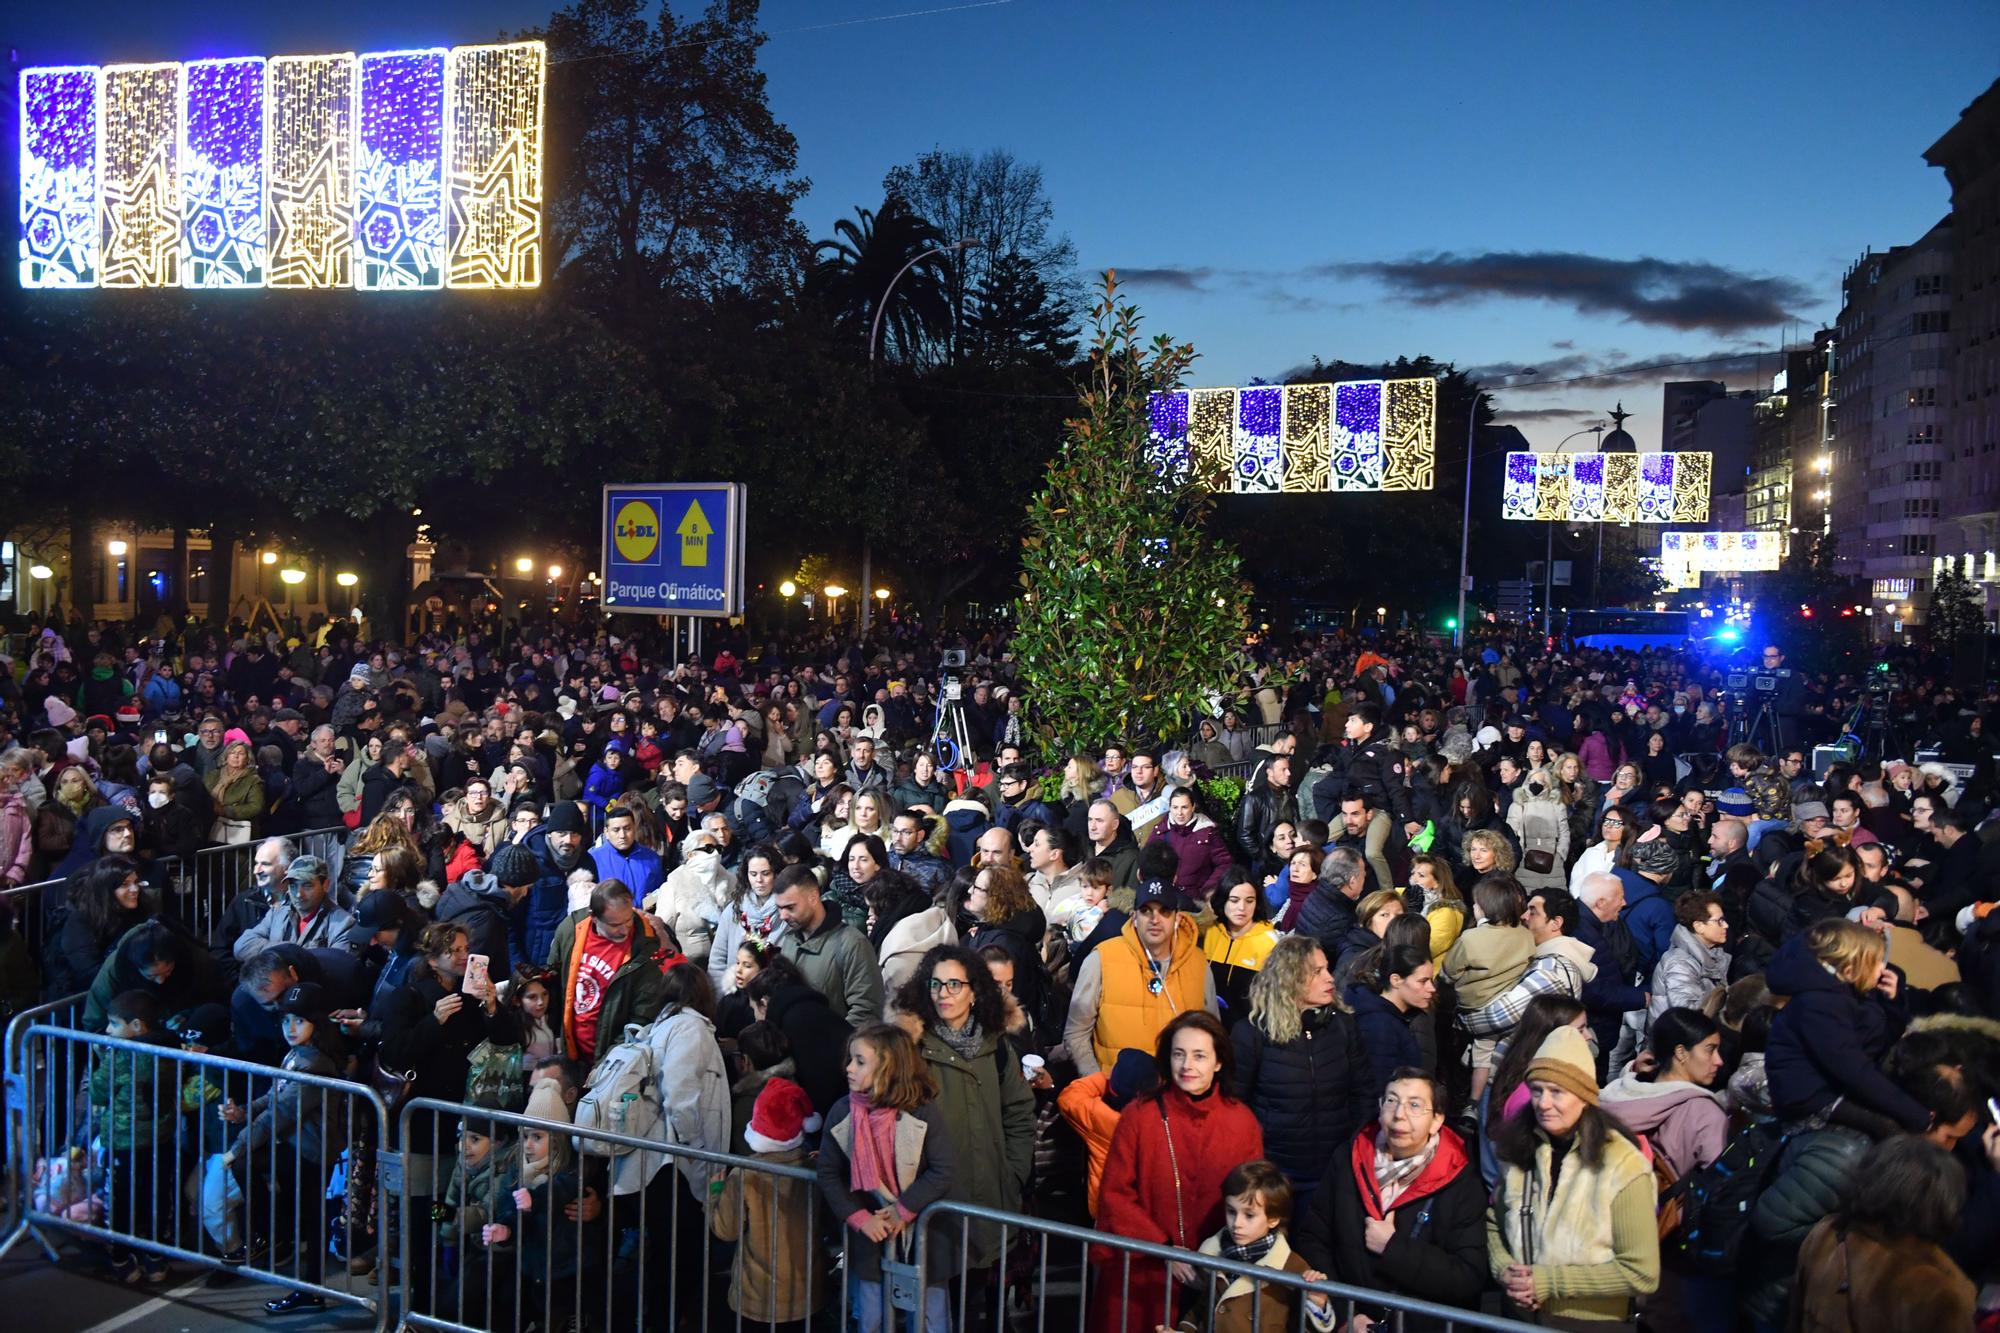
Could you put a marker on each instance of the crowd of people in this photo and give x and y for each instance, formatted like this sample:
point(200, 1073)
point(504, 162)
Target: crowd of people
point(1504, 978)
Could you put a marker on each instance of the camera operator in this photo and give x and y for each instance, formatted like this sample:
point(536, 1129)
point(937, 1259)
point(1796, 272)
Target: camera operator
point(1788, 702)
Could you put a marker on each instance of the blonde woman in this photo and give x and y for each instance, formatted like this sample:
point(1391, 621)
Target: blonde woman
point(238, 793)
point(873, 811)
point(1839, 1019)
point(1488, 853)
point(1579, 793)
point(1442, 905)
point(1300, 1063)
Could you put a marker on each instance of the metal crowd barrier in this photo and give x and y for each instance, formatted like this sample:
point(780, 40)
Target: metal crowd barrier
point(195, 892)
point(1025, 1245)
point(622, 1255)
point(116, 1135)
point(64, 1013)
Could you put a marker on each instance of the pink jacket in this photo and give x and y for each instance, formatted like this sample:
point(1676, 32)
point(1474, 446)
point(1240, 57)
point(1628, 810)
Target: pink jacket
point(1599, 760)
point(17, 842)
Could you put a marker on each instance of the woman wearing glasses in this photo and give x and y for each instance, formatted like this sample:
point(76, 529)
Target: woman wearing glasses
point(958, 1016)
point(1612, 849)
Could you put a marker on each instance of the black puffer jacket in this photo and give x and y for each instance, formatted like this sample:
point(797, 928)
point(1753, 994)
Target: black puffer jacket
point(1812, 1175)
point(1310, 1094)
point(414, 1039)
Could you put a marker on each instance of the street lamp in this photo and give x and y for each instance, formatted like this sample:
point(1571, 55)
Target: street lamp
point(881, 594)
point(788, 589)
point(1465, 518)
point(834, 592)
point(40, 572)
point(270, 557)
point(875, 337)
point(116, 547)
point(555, 571)
point(346, 579)
point(293, 577)
point(524, 565)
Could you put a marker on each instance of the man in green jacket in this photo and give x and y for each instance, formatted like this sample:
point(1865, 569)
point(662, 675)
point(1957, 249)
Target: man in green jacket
point(837, 960)
point(608, 956)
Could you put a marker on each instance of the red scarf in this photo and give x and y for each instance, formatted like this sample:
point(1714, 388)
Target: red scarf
point(872, 1161)
point(1444, 1167)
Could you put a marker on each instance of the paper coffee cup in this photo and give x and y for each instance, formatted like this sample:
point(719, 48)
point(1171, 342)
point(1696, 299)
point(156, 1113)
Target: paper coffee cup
point(1031, 1067)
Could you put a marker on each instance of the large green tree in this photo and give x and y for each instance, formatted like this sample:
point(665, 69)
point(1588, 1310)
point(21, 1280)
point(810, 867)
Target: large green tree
point(1130, 612)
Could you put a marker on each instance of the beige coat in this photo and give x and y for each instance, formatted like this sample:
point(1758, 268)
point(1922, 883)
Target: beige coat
point(780, 1274)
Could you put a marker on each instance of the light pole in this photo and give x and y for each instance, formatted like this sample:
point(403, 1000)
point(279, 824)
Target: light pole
point(874, 337)
point(1465, 519)
point(1549, 556)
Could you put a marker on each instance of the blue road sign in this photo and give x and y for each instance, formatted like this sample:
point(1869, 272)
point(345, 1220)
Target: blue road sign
point(674, 549)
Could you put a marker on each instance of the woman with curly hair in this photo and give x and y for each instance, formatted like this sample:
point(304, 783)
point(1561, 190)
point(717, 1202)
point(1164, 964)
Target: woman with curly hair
point(1300, 1064)
point(390, 828)
point(958, 1016)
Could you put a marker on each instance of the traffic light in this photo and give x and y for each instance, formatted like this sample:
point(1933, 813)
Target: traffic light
point(1806, 612)
point(1451, 622)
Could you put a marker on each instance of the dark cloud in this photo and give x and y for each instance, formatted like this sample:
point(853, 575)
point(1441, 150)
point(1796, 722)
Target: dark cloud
point(1576, 415)
point(1665, 292)
point(1742, 368)
point(1505, 374)
point(1193, 279)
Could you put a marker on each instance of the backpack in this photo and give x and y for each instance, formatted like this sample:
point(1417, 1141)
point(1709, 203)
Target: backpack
point(494, 1078)
point(1711, 1205)
point(623, 1094)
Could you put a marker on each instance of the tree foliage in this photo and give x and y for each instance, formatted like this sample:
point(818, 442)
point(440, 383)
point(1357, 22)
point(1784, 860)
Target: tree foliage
point(857, 269)
point(1957, 611)
point(1826, 640)
point(1131, 613)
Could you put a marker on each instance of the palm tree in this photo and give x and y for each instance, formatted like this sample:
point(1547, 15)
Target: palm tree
point(851, 271)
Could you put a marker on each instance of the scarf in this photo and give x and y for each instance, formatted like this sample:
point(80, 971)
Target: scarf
point(964, 1040)
point(1392, 1176)
point(1254, 1252)
point(871, 1167)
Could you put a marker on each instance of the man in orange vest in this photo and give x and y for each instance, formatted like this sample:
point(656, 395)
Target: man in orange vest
point(1131, 987)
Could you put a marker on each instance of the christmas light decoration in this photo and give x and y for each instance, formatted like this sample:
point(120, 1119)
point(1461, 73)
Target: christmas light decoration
point(1260, 467)
point(1686, 556)
point(139, 149)
point(388, 171)
point(1409, 435)
point(60, 240)
point(493, 143)
point(309, 138)
point(1212, 435)
point(1307, 437)
point(1167, 435)
point(399, 206)
point(222, 173)
point(1610, 488)
point(1357, 435)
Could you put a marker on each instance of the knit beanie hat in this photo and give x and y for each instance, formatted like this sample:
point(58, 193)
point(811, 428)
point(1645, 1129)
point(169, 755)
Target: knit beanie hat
point(1735, 803)
point(781, 1118)
point(545, 1101)
point(1564, 1060)
point(514, 865)
point(1655, 856)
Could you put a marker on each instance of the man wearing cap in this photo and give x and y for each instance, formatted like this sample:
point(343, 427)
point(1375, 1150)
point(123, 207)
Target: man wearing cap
point(305, 915)
point(1648, 914)
point(558, 846)
point(267, 975)
point(704, 798)
point(488, 903)
point(1130, 988)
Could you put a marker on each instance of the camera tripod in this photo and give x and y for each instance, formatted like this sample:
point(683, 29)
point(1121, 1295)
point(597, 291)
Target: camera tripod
point(951, 738)
point(1880, 739)
point(1757, 727)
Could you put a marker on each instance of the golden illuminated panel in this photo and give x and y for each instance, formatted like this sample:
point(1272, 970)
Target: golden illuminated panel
point(1692, 476)
point(309, 123)
point(1621, 488)
point(1552, 487)
point(1409, 434)
point(493, 161)
point(141, 175)
point(1212, 436)
point(1308, 449)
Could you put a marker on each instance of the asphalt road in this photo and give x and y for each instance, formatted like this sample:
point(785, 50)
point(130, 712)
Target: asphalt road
point(78, 1296)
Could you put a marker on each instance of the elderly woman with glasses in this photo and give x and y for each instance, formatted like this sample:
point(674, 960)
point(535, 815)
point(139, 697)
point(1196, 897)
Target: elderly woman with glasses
point(958, 1016)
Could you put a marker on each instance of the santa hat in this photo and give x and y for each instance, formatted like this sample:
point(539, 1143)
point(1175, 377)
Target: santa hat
point(782, 1117)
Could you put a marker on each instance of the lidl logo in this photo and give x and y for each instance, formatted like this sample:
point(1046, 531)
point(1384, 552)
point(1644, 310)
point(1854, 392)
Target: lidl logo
point(636, 531)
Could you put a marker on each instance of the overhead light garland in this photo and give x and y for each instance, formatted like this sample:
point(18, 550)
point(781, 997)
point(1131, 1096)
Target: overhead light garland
point(1609, 488)
point(1355, 435)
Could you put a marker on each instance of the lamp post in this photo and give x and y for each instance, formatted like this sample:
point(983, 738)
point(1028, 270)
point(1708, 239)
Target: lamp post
point(1465, 518)
point(834, 592)
point(1549, 556)
point(292, 579)
point(874, 337)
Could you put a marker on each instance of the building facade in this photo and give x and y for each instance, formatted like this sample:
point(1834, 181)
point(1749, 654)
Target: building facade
point(1890, 382)
point(1969, 155)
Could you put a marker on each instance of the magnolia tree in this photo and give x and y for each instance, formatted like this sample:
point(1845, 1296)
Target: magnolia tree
point(1130, 614)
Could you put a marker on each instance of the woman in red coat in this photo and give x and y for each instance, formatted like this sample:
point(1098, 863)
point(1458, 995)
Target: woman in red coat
point(1163, 1173)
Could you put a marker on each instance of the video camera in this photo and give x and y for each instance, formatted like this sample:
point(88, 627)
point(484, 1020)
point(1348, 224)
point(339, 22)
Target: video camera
point(950, 663)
